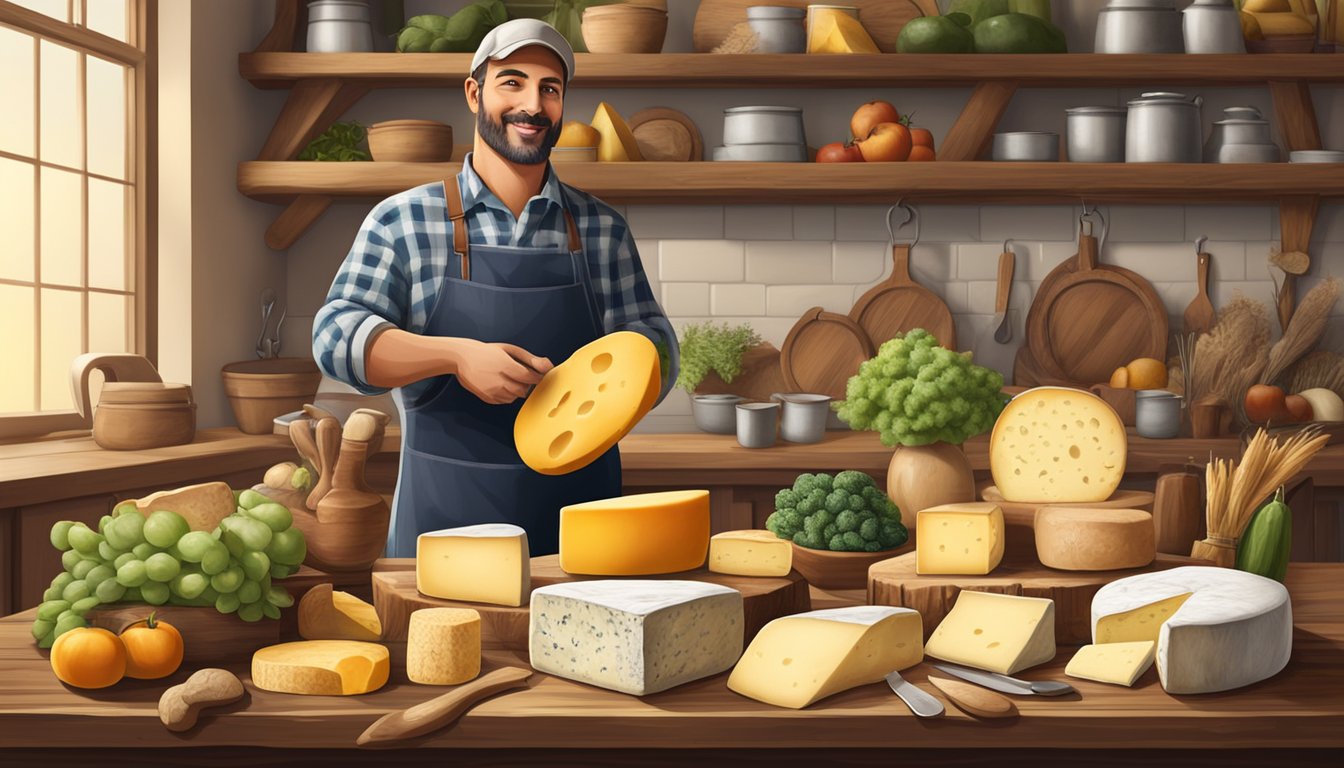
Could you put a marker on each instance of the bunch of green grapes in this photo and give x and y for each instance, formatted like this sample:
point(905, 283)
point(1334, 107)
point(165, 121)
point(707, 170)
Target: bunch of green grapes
point(158, 559)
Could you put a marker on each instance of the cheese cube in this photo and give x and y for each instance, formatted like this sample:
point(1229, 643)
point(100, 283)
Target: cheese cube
point(797, 660)
point(998, 633)
point(1118, 663)
point(1081, 539)
point(585, 405)
point(618, 144)
point(321, 667)
point(1055, 444)
point(443, 646)
point(959, 539)
point(640, 535)
point(325, 614)
point(637, 637)
point(750, 553)
point(485, 563)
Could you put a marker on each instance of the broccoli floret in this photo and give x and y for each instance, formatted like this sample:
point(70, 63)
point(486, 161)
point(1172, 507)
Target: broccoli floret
point(847, 521)
point(853, 482)
point(870, 528)
point(837, 501)
point(845, 513)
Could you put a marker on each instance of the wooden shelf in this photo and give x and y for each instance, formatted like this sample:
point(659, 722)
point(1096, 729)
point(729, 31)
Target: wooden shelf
point(730, 183)
point(698, 70)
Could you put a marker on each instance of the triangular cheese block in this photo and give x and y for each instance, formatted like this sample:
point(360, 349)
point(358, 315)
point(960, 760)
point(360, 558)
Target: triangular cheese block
point(618, 144)
point(998, 633)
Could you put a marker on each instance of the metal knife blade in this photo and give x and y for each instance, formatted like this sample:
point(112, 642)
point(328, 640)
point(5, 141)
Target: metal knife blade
point(989, 680)
point(921, 703)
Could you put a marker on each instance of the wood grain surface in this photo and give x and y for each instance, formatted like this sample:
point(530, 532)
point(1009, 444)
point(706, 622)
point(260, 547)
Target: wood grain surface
point(883, 19)
point(899, 304)
point(822, 351)
point(894, 582)
point(667, 135)
point(505, 627)
point(1299, 708)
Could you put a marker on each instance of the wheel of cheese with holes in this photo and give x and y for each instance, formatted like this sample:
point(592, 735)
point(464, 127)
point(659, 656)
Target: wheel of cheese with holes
point(1057, 444)
point(583, 406)
point(1081, 539)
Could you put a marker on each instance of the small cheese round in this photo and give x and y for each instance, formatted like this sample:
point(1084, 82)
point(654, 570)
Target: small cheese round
point(1083, 539)
point(443, 646)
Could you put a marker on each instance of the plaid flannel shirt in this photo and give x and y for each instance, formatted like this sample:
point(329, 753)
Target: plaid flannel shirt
point(391, 276)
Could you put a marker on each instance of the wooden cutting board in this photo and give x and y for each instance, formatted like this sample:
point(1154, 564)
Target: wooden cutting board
point(667, 135)
point(894, 582)
point(899, 304)
point(822, 351)
point(1095, 319)
point(504, 627)
point(883, 19)
point(1019, 517)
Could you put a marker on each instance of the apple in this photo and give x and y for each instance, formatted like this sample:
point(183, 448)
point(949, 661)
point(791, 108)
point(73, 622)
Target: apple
point(1299, 408)
point(840, 152)
point(886, 143)
point(1265, 403)
point(870, 115)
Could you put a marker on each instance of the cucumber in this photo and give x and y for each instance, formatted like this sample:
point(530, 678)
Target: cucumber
point(1268, 540)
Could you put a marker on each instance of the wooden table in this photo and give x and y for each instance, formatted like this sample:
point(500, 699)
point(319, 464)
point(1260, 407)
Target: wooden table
point(1294, 718)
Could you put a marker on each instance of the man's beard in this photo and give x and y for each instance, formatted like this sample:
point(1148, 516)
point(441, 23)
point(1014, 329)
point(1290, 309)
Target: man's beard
point(496, 135)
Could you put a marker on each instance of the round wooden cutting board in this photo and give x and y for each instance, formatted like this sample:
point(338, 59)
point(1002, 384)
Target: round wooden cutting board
point(883, 19)
point(899, 304)
point(822, 351)
point(667, 135)
point(504, 627)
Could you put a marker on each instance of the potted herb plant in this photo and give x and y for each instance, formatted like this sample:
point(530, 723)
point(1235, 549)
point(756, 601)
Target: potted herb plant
point(705, 348)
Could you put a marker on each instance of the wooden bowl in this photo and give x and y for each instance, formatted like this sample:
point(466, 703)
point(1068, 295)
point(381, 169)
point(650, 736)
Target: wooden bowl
point(411, 141)
point(624, 29)
point(132, 416)
point(260, 390)
point(840, 570)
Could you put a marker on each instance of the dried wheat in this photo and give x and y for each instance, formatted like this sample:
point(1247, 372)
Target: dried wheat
point(1304, 329)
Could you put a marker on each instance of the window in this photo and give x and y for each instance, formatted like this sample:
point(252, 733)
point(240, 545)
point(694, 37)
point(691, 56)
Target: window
point(76, 147)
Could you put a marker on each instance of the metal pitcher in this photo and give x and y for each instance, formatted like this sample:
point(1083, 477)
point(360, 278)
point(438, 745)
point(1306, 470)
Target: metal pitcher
point(1164, 128)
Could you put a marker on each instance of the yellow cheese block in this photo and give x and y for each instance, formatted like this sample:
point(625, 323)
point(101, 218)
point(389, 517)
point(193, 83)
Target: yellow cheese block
point(835, 31)
point(321, 667)
point(640, 535)
point(325, 614)
point(797, 660)
point(585, 405)
point(750, 553)
point(1081, 539)
point(618, 143)
point(1142, 623)
point(1056, 444)
point(443, 646)
point(487, 563)
point(964, 538)
point(999, 633)
point(1118, 663)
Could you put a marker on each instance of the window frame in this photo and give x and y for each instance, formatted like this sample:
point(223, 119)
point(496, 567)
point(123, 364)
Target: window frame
point(140, 55)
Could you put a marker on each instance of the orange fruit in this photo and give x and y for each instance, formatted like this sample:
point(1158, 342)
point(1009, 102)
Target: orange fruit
point(920, 153)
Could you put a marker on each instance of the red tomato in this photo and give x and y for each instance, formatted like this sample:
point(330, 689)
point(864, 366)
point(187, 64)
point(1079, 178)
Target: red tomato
point(1266, 403)
point(840, 152)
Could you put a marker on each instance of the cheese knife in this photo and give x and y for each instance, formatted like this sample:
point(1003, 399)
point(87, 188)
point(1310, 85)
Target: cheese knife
point(920, 703)
point(1006, 684)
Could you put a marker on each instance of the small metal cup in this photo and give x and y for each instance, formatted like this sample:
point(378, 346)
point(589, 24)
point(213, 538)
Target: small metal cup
point(757, 424)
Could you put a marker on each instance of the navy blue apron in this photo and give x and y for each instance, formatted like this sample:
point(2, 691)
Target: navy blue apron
point(458, 462)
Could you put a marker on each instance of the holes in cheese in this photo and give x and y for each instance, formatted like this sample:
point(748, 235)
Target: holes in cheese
point(1118, 663)
point(1055, 444)
point(962, 538)
point(573, 416)
point(797, 660)
point(640, 535)
point(443, 646)
point(485, 563)
point(1081, 539)
point(325, 614)
point(321, 667)
point(999, 633)
point(750, 553)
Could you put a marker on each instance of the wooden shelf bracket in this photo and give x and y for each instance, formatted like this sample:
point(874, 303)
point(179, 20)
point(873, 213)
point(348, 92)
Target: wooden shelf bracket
point(971, 134)
point(312, 106)
point(1297, 216)
point(297, 217)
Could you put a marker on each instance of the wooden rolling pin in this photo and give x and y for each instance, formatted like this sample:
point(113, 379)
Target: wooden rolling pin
point(441, 711)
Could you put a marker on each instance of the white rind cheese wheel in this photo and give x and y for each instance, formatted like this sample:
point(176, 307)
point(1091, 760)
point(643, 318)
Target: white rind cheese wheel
point(443, 646)
point(1216, 628)
point(1056, 444)
point(1082, 539)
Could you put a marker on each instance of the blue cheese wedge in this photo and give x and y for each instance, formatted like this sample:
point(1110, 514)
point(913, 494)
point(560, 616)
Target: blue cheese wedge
point(635, 636)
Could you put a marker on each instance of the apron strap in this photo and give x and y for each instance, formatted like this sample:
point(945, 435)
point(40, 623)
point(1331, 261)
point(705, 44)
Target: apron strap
point(453, 196)
point(575, 244)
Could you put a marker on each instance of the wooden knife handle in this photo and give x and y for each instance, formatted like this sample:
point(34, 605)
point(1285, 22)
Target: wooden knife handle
point(973, 699)
point(1007, 263)
point(442, 711)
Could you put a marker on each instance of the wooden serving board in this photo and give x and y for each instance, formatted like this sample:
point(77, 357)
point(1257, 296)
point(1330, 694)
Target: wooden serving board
point(884, 19)
point(505, 627)
point(1019, 517)
point(667, 135)
point(894, 582)
point(822, 351)
point(899, 304)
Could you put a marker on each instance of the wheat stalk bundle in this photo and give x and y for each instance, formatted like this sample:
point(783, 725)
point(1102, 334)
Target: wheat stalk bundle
point(1231, 356)
point(1304, 330)
point(1320, 369)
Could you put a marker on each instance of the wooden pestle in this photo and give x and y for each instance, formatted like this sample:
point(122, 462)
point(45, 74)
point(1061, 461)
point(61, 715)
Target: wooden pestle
point(328, 445)
point(350, 496)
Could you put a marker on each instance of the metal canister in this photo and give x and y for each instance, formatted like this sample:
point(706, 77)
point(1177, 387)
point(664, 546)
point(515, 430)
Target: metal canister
point(1096, 134)
point(339, 26)
point(1164, 128)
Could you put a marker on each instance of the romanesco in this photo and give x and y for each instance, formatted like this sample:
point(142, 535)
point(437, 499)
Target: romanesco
point(845, 513)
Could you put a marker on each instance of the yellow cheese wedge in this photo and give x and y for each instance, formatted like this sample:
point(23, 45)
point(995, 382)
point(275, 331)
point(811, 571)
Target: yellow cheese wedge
point(585, 405)
point(750, 553)
point(999, 633)
point(203, 505)
point(835, 31)
point(640, 535)
point(487, 563)
point(1055, 444)
point(576, 134)
point(1081, 539)
point(1142, 623)
point(797, 660)
point(325, 614)
point(443, 646)
point(962, 538)
point(618, 144)
point(1118, 663)
point(321, 667)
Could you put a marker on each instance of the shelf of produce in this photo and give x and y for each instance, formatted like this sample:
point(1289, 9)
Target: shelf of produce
point(698, 70)
point(729, 183)
point(1298, 709)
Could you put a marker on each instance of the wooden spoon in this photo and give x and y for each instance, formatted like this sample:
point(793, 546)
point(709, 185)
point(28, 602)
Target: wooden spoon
point(442, 711)
point(1199, 316)
point(973, 699)
point(301, 434)
point(328, 448)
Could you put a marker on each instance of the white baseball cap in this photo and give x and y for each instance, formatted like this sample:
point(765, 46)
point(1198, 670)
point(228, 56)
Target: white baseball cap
point(508, 37)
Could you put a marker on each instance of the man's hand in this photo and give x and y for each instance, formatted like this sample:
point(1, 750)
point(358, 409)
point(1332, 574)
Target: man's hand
point(499, 373)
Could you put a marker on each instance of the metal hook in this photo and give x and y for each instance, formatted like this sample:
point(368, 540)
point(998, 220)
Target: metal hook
point(913, 216)
point(1085, 223)
point(1199, 244)
point(1006, 244)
